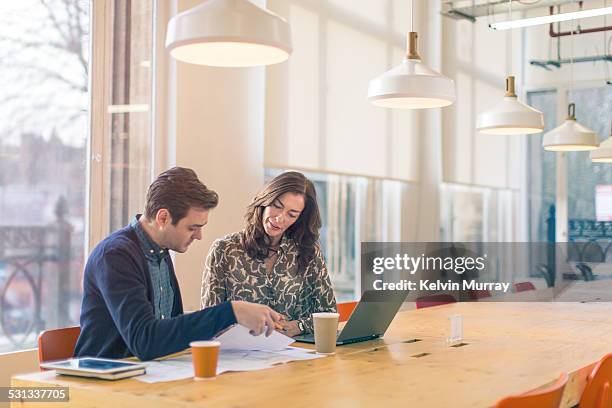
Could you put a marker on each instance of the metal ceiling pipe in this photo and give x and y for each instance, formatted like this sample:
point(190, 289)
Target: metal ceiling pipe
point(554, 34)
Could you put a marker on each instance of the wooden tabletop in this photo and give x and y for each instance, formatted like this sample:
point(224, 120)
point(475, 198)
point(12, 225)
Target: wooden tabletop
point(510, 348)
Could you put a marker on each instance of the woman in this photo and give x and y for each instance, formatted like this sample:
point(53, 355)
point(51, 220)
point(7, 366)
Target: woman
point(276, 259)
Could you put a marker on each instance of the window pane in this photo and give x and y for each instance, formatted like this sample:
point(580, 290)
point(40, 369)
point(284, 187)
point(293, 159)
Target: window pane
point(589, 186)
point(44, 50)
point(541, 172)
point(130, 109)
point(593, 107)
point(478, 214)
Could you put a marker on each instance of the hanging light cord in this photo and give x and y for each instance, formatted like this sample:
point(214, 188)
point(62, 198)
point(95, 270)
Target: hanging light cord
point(510, 33)
point(606, 45)
point(411, 16)
point(571, 94)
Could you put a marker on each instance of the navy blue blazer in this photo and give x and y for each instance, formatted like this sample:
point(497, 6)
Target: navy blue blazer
point(118, 315)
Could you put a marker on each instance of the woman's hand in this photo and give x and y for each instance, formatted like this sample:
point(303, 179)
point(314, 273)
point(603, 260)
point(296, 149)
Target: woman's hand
point(289, 328)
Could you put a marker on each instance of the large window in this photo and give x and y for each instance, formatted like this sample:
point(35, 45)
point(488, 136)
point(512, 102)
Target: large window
point(74, 145)
point(43, 144)
point(587, 183)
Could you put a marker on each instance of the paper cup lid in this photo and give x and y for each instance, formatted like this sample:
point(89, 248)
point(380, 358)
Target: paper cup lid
point(205, 343)
point(327, 315)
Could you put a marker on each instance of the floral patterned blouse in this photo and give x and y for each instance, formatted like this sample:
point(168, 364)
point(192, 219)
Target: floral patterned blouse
point(231, 274)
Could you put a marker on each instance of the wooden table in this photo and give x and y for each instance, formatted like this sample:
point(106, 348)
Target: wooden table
point(511, 348)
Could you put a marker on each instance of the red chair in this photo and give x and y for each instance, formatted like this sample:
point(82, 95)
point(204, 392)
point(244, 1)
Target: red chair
point(434, 300)
point(479, 294)
point(597, 392)
point(523, 286)
point(57, 344)
point(550, 397)
point(345, 310)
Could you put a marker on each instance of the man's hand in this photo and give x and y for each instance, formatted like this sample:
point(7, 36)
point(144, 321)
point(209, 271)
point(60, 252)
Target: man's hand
point(257, 318)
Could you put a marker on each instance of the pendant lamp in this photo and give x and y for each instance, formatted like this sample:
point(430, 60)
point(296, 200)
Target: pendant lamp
point(603, 154)
point(412, 84)
point(570, 136)
point(510, 116)
point(229, 33)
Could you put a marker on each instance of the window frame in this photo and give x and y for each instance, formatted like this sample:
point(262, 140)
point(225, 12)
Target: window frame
point(98, 196)
point(98, 183)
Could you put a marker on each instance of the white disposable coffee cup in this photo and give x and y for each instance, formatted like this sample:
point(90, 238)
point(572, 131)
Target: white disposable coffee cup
point(325, 331)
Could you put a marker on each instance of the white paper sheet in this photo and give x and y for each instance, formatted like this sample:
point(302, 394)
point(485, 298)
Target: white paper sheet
point(239, 338)
point(180, 368)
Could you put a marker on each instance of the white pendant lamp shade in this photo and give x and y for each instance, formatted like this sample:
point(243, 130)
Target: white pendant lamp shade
point(510, 116)
point(603, 154)
point(570, 136)
point(412, 84)
point(229, 33)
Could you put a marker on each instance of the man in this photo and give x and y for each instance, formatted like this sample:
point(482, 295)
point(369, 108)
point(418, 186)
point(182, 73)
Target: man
point(131, 299)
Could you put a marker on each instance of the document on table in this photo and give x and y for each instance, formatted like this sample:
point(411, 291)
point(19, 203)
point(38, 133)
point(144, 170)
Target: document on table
point(180, 368)
point(238, 337)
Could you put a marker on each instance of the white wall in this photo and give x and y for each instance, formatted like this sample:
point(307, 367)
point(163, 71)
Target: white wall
point(317, 107)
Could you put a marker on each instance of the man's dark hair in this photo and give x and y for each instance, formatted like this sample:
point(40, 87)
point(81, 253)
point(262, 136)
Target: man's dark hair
point(177, 190)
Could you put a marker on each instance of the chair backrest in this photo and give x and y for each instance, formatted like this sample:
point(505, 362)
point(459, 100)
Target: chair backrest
point(597, 392)
point(523, 286)
point(549, 397)
point(345, 310)
point(434, 300)
point(57, 344)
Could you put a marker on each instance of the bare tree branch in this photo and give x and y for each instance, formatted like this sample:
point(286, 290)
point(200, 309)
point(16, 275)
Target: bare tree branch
point(54, 75)
point(34, 44)
point(55, 21)
point(39, 64)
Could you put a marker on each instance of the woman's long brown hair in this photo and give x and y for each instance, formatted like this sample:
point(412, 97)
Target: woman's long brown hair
point(304, 232)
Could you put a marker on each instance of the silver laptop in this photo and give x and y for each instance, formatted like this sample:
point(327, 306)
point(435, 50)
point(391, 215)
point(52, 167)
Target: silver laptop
point(370, 319)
